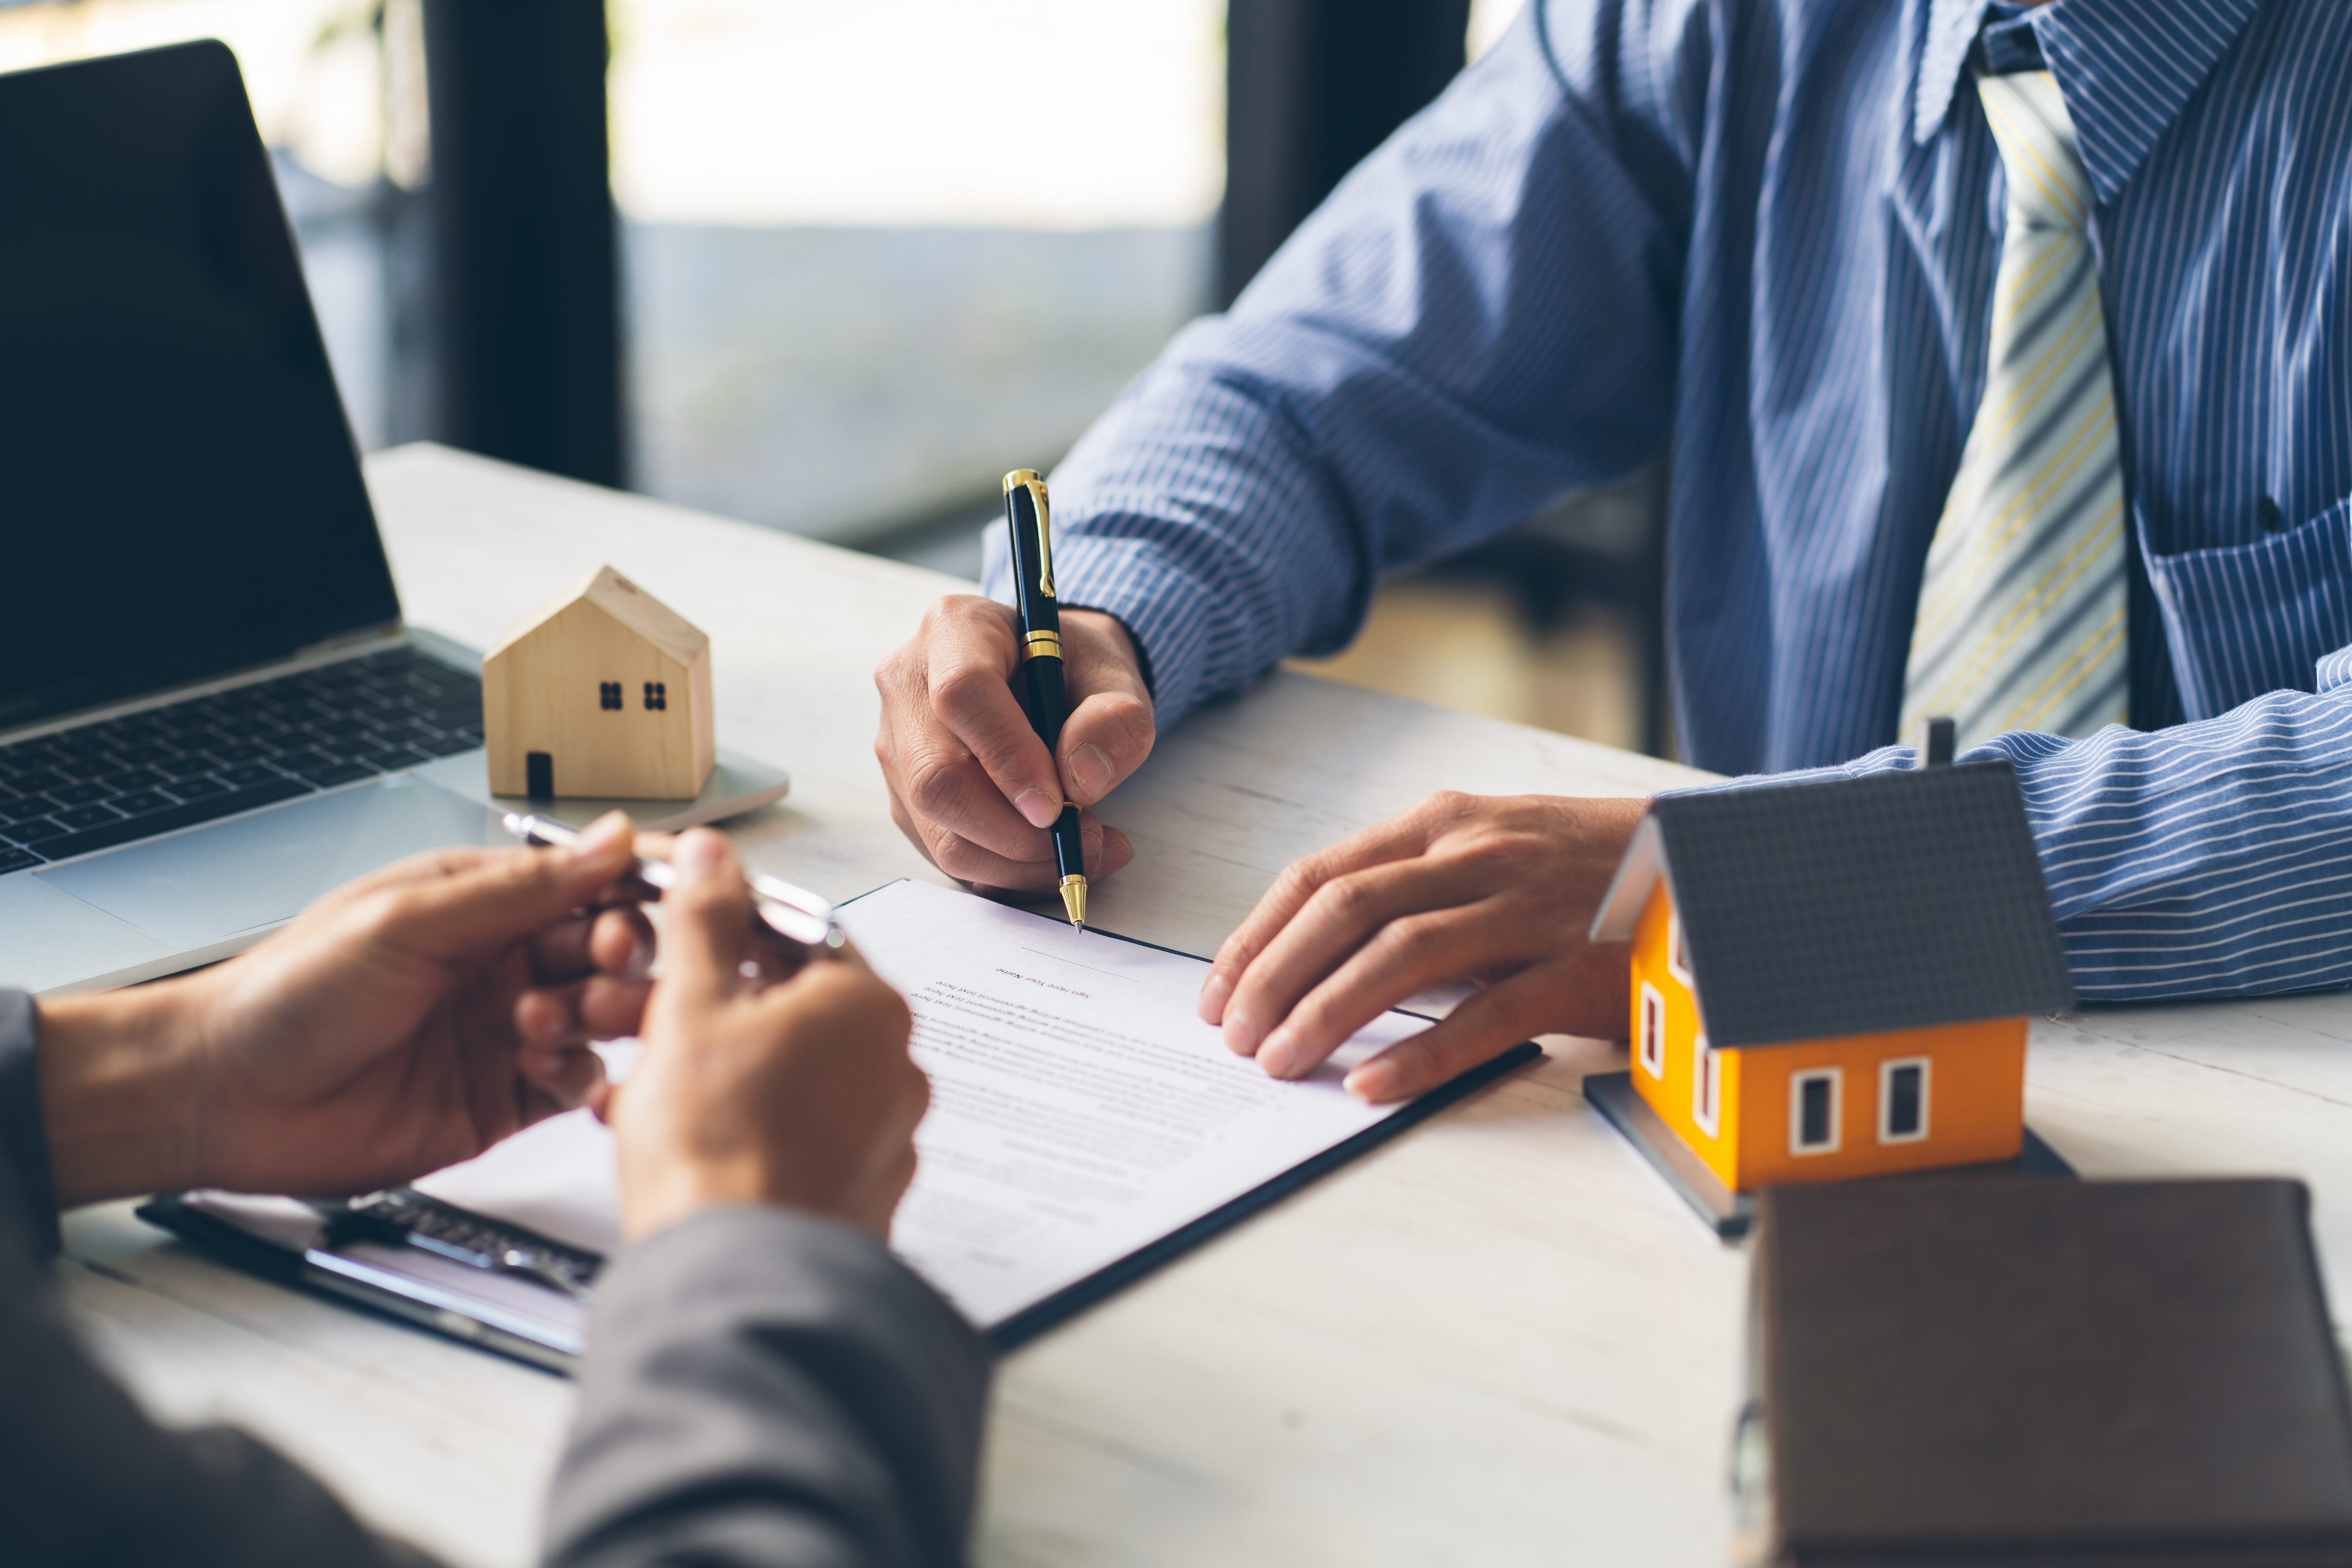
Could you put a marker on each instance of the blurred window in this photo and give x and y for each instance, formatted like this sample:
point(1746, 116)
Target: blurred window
point(880, 251)
point(338, 91)
point(1488, 20)
point(876, 252)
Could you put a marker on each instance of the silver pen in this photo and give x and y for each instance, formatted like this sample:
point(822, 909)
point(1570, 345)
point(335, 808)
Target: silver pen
point(794, 913)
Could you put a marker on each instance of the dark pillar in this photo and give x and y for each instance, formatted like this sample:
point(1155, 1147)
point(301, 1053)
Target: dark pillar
point(1311, 86)
point(526, 293)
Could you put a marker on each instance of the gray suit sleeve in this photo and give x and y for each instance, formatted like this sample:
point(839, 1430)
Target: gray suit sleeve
point(31, 1198)
point(85, 1479)
point(766, 1388)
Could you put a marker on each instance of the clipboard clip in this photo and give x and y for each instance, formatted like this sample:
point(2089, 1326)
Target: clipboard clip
point(401, 1217)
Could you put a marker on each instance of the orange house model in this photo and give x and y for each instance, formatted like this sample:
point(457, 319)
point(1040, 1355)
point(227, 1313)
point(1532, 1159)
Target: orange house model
point(1830, 980)
point(602, 692)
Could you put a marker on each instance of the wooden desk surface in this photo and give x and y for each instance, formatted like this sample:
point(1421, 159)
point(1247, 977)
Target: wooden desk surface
point(1497, 1341)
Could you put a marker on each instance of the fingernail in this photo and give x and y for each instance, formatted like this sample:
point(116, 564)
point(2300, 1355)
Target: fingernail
point(601, 836)
point(1375, 1081)
point(1215, 992)
point(1244, 1035)
point(1090, 771)
point(1039, 807)
point(699, 854)
point(1276, 1051)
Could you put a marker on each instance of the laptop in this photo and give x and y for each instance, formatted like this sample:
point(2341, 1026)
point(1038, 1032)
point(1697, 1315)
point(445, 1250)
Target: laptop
point(210, 711)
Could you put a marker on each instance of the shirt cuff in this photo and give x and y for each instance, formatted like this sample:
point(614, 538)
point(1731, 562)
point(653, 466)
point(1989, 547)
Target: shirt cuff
point(2335, 671)
point(23, 1137)
point(1164, 607)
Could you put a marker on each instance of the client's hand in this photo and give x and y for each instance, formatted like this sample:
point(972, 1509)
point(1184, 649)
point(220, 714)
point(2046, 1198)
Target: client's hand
point(970, 781)
point(403, 1022)
point(1462, 886)
point(798, 1093)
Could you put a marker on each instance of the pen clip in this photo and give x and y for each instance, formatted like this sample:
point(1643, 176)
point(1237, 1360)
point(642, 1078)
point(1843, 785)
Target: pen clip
point(1029, 480)
point(1044, 541)
point(394, 1219)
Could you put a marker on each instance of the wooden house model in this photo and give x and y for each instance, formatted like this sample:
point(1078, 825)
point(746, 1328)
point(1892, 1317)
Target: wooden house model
point(603, 692)
point(1835, 980)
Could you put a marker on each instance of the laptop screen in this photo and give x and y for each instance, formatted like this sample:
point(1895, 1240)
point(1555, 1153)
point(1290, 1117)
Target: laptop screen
point(180, 495)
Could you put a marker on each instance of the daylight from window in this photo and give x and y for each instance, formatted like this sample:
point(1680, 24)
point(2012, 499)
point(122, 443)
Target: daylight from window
point(876, 252)
point(880, 251)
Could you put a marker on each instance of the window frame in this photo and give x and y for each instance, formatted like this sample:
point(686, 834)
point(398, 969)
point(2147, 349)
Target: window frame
point(1835, 1078)
point(1706, 1087)
point(1677, 964)
point(1650, 1033)
point(1886, 1071)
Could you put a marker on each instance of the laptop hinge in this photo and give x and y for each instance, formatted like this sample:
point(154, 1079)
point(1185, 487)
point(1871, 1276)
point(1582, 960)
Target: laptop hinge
point(347, 639)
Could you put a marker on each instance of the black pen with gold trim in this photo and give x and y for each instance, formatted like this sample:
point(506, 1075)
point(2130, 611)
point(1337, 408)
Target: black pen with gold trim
point(1041, 661)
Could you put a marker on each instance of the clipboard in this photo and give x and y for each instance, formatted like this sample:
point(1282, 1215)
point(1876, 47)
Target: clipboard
point(352, 1254)
point(527, 1295)
point(408, 1256)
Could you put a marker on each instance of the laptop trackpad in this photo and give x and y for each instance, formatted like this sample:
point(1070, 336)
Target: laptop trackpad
point(218, 881)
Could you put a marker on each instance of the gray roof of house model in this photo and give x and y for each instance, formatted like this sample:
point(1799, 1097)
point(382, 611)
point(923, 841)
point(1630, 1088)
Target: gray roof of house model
point(1859, 906)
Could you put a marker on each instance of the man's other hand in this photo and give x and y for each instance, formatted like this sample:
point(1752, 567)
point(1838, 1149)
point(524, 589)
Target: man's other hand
point(405, 1021)
point(798, 1093)
point(1496, 889)
point(970, 781)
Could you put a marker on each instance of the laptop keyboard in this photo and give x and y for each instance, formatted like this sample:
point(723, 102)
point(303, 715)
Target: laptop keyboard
point(92, 788)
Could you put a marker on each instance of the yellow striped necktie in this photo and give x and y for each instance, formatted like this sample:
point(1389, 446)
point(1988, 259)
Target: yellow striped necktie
point(2021, 618)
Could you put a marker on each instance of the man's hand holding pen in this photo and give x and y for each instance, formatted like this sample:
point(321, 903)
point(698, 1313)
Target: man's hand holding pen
point(759, 1084)
point(1499, 889)
point(971, 783)
point(767, 1077)
point(419, 1014)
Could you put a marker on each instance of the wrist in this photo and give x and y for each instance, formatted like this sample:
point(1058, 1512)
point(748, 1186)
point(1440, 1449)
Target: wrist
point(115, 1096)
point(650, 1206)
point(1121, 636)
point(660, 1193)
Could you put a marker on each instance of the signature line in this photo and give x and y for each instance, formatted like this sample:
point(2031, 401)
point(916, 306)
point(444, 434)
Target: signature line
point(1076, 964)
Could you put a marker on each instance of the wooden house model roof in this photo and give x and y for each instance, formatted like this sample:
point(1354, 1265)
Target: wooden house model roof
point(626, 603)
point(1859, 906)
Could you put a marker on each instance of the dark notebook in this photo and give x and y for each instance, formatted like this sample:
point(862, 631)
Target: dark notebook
point(2137, 1374)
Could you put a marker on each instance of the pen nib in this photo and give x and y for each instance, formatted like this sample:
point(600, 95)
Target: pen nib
point(1073, 900)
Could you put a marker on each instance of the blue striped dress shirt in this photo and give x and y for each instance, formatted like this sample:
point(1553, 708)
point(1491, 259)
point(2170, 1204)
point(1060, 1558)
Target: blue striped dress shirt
point(1762, 235)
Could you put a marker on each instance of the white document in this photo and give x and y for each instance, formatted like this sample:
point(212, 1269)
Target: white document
point(1079, 1109)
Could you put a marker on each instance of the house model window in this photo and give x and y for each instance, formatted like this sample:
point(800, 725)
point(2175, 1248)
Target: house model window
point(1814, 1111)
point(608, 696)
point(1859, 954)
point(1903, 1100)
point(1653, 1032)
point(1707, 1086)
